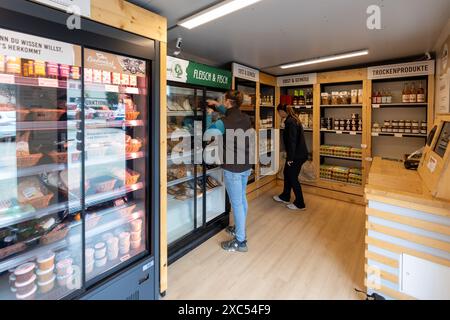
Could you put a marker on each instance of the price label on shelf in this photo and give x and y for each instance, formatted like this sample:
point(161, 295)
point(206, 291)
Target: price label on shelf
point(132, 90)
point(353, 133)
point(375, 134)
point(376, 106)
point(51, 83)
point(308, 107)
point(7, 79)
point(110, 88)
point(398, 135)
point(125, 258)
point(339, 132)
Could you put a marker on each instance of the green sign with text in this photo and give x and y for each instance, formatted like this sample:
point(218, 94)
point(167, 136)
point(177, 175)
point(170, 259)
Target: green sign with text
point(198, 74)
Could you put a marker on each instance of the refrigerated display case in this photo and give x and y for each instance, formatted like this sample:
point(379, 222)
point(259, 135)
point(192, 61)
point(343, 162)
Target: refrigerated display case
point(197, 203)
point(76, 138)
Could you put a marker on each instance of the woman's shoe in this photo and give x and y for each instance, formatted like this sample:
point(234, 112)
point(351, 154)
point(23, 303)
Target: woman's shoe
point(234, 246)
point(278, 199)
point(294, 207)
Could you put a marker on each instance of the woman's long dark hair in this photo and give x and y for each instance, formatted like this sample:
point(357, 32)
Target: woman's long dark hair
point(236, 98)
point(290, 112)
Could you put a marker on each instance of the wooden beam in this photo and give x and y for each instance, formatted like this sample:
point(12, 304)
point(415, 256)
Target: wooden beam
point(412, 222)
point(163, 170)
point(129, 17)
point(400, 250)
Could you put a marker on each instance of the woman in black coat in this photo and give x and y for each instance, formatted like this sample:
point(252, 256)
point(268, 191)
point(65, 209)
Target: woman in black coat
point(297, 155)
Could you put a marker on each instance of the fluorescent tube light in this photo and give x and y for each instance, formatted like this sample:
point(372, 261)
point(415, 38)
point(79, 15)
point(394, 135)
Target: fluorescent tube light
point(215, 12)
point(326, 59)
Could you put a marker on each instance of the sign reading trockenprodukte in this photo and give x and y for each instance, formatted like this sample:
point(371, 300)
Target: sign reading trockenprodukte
point(185, 71)
point(402, 70)
point(297, 80)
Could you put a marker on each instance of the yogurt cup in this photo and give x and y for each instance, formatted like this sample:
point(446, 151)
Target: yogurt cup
point(12, 280)
point(89, 255)
point(63, 280)
point(135, 236)
point(46, 261)
point(47, 286)
point(99, 263)
point(25, 272)
point(45, 275)
point(27, 296)
point(124, 236)
point(62, 256)
point(100, 250)
point(90, 267)
point(112, 242)
point(136, 225)
point(124, 250)
point(136, 244)
point(64, 267)
point(24, 287)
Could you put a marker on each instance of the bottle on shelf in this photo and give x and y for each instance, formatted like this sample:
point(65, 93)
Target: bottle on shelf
point(413, 94)
point(295, 100)
point(379, 98)
point(384, 96)
point(421, 94)
point(406, 93)
point(301, 98)
point(374, 97)
point(389, 96)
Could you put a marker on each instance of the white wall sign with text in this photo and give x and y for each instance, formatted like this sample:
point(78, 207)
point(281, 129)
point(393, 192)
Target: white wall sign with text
point(243, 72)
point(84, 5)
point(421, 68)
point(443, 93)
point(297, 80)
point(16, 44)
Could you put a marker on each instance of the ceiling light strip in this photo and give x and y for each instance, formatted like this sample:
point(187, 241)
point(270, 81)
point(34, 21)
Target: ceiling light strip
point(215, 12)
point(326, 59)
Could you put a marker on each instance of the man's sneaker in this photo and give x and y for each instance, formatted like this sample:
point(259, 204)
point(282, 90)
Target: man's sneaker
point(231, 230)
point(278, 199)
point(234, 246)
point(294, 207)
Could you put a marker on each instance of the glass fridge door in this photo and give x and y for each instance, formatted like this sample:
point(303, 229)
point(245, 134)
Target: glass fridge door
point(116, 145)
point(183, 189)
point(40, 171)
point(213, 183)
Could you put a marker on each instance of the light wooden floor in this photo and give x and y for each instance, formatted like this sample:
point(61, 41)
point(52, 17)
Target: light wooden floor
point(316, 254)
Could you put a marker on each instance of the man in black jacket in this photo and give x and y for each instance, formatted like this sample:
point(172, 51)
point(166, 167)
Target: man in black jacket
point(297, 155)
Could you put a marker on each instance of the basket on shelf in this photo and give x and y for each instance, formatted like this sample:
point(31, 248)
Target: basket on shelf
point(41, 202)
point(63, 157)
point(132, 115)
point(59, 233)
point(29, 160)
point(105, 186)
point(41, 114)
point(133, 147)
point(15, 248)
point(132, 177)
point(22, 115)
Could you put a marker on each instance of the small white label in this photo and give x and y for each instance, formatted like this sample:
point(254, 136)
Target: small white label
point(308, 107)
point(132, 90)
point(353, 133)
point(375, 134)
point(30, 192)
point(50, 83)
point(7, 79)
point(110, 88)
point(376, 106)
point(125, 258)
point(432, 164)
point(339, 132)
point(147, 266)
point(398, 135)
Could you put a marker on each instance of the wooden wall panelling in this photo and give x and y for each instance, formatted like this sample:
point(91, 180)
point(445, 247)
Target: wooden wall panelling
point(431, 106)
point(127, 16)
point(316, 129)
point(342, 76)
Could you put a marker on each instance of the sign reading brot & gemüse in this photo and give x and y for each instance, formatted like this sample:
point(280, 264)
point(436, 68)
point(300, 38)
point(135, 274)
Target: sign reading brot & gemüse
point(297, 80)
point(184, 71)
point(420, 68)
point(243, 72)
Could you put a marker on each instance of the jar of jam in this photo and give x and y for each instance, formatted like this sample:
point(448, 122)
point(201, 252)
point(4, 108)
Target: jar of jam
point(415, 130)
point(336, 122)
point(13, 65)
point(390, 129)
point(401, 123)
point(342, 122)
point(64, 71)
point(401, 129)
point(52, 70)
point(408, 123)
point(415, 124)
point(395, 123)
point(75, 73)
point(341, 128)
point(387, 123)
point(40, 69)
point(395, 129)
point(408, 130)
point(384, 129)
point(28, 68)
